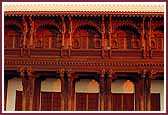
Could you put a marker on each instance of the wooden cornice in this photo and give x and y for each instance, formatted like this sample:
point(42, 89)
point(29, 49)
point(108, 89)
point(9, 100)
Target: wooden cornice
point(81, 13)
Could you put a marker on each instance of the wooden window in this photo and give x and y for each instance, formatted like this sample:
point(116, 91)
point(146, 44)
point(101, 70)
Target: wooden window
point(87, 101)
point(155, 102)
point(50, 101)
point(123, 102)
point(18, 101)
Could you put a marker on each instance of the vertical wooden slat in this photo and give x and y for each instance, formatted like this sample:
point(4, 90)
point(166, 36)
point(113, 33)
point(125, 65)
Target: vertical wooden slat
point(18, 101)
point(93, 101)
point(155, 102)
point(81, 101)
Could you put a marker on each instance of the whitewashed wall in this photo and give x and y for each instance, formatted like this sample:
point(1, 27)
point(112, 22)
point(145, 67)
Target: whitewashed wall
point(157, 86)
point(87, 86)
point(51, 85)
point(13, 85)
point(122, 86)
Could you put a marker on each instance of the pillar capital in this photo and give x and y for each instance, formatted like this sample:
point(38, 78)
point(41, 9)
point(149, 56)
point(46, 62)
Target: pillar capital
point(143, 73)
point(69, 73)
point(110, 73)
point(61, 72)
point(151, 74)
point(102, 73)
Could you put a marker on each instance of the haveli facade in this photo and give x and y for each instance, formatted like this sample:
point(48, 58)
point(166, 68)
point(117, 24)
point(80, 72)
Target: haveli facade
point(83, 61)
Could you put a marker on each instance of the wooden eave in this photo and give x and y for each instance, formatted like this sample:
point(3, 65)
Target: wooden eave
point(81, 13)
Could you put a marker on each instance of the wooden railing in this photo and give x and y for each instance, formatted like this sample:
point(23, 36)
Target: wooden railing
point(113, 53)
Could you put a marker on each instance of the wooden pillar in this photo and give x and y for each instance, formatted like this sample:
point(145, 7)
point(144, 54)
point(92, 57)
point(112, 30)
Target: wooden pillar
point(63, 31)
point(142, 34)
point(109, 81)
point(25, 30)
point(103, 34)
point(110, 34)
point(102, 90)
point(37, 90)
point(28, 88)
point(5, 91)
point(70, 32)
point(142, 90)
point(31, 31)
point(148, 78)
point(150, 31)
point(137, 95)
point(70, 89)
point(62, 90)
point(143, 44)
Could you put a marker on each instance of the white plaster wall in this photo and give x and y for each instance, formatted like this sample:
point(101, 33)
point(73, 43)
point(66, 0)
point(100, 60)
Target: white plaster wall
point(122, 86)
point(157, 86)
point(87, 86)
point(51, 85)
point(13, 85)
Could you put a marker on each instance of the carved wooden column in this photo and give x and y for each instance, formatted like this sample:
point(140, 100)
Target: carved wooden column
point(63, 31)
point(109, 81)
point(148, 78)
point(102, 90)
point(143, 44)
point(28, 88)
point(70, 90)
point(137, 94)
point(25, 29)
point(103, 34)
point(142, 90)
point(37, 89)
point(70, 32)
point(62, 89)
point(110, 34)
point(31, 21)
point(5, 90)
point(150, 34)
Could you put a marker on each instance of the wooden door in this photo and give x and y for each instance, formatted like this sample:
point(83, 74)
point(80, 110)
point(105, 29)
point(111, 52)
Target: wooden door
point(87, 101)
point(50, 101)
point(155, 102)
point(122, 101)
point(18, 101)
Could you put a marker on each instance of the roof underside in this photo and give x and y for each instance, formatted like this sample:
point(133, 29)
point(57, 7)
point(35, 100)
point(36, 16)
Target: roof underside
point(100, 7)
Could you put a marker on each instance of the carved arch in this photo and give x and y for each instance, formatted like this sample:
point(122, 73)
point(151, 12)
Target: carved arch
point(13, 36)
point(128, 36)
point(83, 23)
point(86, 36)
point(159, 28)
point(127, 25)
point(48, 36)
point(48, 23)
point(11, 22)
